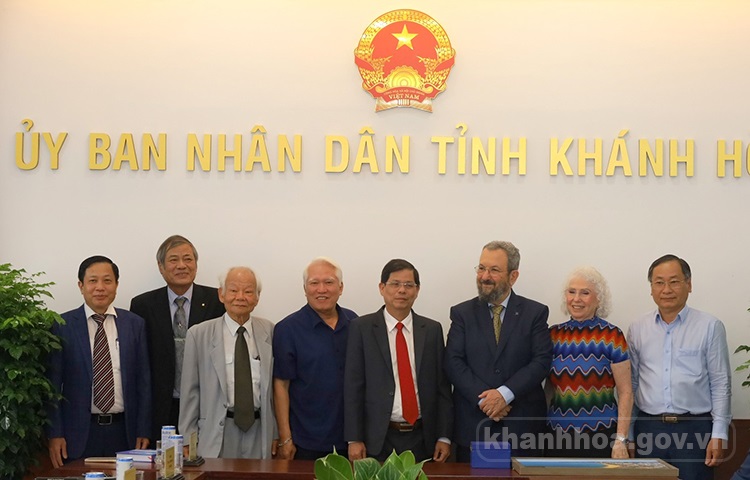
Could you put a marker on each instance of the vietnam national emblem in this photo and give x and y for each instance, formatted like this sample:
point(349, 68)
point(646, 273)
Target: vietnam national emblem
point(404, 58)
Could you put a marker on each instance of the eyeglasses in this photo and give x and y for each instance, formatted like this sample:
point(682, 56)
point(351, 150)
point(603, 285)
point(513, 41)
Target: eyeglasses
point(494, 271)
point(673, 284)
point(397, 285)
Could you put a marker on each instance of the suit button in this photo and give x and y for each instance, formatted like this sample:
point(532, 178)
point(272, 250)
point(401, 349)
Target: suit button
point(390, 393)
point(497, 371)
point(221, 423)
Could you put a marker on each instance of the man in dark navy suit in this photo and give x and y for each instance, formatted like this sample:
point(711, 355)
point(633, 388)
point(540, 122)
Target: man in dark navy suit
point(102, 373)
point(497, 354)
point(169, 311)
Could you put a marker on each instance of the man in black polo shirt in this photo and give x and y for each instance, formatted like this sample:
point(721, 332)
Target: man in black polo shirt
point(309, 349)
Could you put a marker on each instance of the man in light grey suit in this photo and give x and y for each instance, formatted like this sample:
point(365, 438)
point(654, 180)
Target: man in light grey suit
point(226, 376)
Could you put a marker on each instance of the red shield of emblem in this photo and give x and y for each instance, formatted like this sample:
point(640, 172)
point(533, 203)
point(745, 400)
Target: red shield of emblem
point(404, 58)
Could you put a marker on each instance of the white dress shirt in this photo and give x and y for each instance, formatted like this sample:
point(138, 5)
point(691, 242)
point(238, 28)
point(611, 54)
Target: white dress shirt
point(397, 414)
point(110, 328)
point(230, 338)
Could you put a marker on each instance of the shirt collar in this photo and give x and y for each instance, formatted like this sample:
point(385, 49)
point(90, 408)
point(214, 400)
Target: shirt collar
point(172, 296)
point(89, 311)
point(504, 303)
point(391, 322)
point(233, 326)
point(315, 316)
point(680, 318)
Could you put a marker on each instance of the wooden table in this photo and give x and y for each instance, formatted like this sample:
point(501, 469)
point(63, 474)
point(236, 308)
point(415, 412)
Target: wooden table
point(241, 469)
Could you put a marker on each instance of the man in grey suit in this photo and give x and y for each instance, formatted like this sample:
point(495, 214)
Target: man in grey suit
point(169, 311)
point(396, 395)
point(226, 376)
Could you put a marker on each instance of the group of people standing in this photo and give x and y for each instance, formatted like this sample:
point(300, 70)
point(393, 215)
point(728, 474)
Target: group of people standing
point(325, 378)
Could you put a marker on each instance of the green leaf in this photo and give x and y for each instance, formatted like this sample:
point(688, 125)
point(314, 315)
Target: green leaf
point(742, 348)
point(25, 341)
point(322, 470)
point(365, 469)
point(333, 467)
point(395, 460)
point(412, 472)
point(340, 465)
point(389, 470)
point(407, 459)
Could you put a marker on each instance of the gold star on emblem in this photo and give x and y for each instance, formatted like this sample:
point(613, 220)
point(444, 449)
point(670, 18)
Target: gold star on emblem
point(404, 38)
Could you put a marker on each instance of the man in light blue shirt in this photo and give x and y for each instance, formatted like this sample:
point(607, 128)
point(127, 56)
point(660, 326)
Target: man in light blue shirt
point(681, 376)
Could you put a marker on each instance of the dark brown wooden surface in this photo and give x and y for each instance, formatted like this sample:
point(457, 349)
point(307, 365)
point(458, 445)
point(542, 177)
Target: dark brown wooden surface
point(239, 469)
point(228, 469)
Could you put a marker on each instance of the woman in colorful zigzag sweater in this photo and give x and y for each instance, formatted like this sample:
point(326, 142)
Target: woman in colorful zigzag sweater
point(589, 388)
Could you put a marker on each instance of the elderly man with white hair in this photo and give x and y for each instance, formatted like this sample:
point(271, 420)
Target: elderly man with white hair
point(309, 350)
point(226, 375)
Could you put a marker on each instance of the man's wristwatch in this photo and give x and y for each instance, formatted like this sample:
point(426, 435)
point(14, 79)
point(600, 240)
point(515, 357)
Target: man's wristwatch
point(623, 439)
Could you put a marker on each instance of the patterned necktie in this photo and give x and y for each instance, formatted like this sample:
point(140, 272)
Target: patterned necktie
point(179, 327)
point(405, 379)
point(104, 380)
point(496, 311)
point(244, 409)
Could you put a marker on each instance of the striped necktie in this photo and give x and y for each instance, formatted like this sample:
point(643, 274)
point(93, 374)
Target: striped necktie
point(104, 379)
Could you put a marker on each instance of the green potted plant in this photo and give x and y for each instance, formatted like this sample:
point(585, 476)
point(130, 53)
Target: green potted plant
point(25, 342)
point(395, 467)
point(746, 364)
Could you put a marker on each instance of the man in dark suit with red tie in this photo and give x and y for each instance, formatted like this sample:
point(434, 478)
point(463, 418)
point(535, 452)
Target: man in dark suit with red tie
point(169, 311)
point(396, 395)
point(102, 373)
point(497, 354)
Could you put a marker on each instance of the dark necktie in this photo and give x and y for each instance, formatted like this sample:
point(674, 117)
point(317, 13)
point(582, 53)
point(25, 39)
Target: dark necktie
point(405, 379)
point(244, 408)
point(179, 327)
point(104, 380)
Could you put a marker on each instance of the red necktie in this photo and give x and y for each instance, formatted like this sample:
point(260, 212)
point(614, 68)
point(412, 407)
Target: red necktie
point(405, 380)
point(104, 380)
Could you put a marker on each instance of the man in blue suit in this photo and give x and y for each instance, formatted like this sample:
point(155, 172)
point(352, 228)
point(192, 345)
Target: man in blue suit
point(497, 354)
point(113, 413)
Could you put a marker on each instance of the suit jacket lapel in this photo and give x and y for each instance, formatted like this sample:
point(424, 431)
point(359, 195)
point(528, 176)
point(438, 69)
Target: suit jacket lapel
point(82, 340)
point(380, 334)
point(510, 321)
point(262, 340)
point(163, 319)
point(263, 344)
point(197, 306)
point(420, 336)
point(123, 341)
point(483, 314)
point(218, 357)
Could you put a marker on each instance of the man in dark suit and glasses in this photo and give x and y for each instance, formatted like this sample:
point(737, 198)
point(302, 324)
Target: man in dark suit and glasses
point(497, 354)
point(169, 311)
point(396, 394)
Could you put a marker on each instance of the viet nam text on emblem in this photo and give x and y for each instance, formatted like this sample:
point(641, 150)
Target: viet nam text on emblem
point(404, 58)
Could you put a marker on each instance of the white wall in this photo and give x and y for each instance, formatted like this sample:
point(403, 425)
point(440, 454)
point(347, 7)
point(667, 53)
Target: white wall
point(534, 69)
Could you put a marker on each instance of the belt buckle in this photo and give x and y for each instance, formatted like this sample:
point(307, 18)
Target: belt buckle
point(669, 418)
point(104, 419)
point(405, 427)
